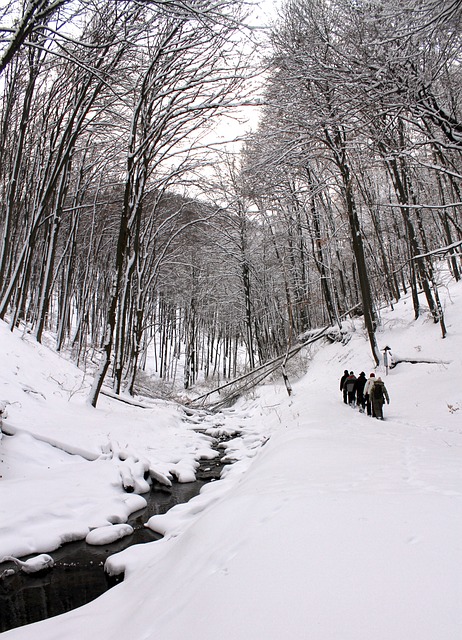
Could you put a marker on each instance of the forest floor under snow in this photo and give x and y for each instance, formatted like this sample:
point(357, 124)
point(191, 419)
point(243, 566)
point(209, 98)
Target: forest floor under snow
point(340, 527)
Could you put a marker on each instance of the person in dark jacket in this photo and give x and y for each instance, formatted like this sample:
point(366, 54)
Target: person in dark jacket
point(378, 396)
point(350, 387)
point(359, 388)
point(342, 387)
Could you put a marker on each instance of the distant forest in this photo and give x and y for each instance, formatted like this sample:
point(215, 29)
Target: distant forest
point(127, 230)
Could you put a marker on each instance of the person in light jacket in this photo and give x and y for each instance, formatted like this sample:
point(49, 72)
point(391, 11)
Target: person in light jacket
point(367, 388)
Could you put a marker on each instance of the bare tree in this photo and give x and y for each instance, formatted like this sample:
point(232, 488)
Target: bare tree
point(188, 76)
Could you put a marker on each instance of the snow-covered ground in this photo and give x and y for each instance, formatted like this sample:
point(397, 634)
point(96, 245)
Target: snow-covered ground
point(330, 525)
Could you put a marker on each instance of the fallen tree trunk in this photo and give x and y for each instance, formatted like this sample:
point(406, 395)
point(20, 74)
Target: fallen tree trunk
point(414, 360)
point(250, 379)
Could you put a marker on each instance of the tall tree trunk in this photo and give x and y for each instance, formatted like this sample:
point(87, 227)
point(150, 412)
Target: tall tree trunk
point(46, 281)
point(318, 253)
point(17, 164)
point(337, 144)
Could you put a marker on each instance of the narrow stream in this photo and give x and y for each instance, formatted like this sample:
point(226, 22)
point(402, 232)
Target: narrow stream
point(78, 575)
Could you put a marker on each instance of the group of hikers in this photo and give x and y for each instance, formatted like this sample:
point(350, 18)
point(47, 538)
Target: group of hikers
point(369, 394)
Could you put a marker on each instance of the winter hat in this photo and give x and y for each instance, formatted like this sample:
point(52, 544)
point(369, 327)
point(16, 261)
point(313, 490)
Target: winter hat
point(372, 375)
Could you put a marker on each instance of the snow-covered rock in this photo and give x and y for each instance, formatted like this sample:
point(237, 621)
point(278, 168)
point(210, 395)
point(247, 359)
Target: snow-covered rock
point(32, 565)
point(109, 534)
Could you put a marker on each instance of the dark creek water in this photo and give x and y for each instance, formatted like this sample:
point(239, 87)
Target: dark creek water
point(78, 574)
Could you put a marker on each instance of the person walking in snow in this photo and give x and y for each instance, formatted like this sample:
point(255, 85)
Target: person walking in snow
point(342, 386)
point(367, 391)
point(359, 388)
point(350, 387)
point(378, 394)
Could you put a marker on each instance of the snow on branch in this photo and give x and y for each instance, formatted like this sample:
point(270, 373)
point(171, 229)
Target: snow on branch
point(440, 251)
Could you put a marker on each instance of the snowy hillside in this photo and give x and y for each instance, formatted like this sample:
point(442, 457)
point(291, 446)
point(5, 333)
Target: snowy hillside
point(339, 527)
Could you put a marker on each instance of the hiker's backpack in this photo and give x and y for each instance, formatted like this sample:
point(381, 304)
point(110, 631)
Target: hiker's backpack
point(350, 384)
point(377, 391)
